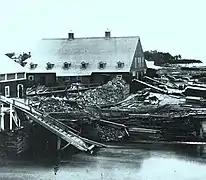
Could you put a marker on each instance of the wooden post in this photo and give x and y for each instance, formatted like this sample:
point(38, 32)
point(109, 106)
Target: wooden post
point(2, 117)
point(201, 130)
point(58, 143)
point(11, 117)
point(19, 122)
point(2, 121)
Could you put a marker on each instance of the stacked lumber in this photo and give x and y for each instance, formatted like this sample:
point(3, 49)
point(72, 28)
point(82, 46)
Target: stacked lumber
point(168, 122)
point(36, 89)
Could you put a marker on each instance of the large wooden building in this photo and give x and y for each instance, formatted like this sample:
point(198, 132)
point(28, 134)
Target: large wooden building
point(89, 59)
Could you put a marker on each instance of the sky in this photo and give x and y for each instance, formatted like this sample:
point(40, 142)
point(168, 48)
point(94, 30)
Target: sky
point(175, 26)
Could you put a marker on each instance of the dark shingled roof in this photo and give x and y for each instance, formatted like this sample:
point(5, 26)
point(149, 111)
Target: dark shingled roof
point(89, 50)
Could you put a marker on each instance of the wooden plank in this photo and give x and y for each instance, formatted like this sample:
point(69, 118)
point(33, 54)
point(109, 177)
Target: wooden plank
point(143, 130)
point(113, 123)
point(150, 86)
point(37, 117)
point(151, 79)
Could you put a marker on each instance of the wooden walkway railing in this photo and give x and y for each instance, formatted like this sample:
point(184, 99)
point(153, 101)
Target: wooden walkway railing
point(60, 129)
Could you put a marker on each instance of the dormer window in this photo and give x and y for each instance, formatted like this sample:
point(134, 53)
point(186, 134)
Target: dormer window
point(120, 64)
point(102, 65)
point(84, 65)
point(33, 66)
point(49, 66)
point(66, 65)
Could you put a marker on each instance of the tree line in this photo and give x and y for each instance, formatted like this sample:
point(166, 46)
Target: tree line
point(161, 58)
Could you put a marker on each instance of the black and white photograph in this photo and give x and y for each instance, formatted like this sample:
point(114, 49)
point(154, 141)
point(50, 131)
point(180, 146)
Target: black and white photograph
point(102, 90)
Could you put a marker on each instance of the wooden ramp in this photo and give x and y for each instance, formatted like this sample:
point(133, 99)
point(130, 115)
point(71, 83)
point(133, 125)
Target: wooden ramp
point(60, 129)
point(153, 80)
point(150, 86)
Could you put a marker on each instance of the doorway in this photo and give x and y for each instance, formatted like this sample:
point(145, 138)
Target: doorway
point(20, 90)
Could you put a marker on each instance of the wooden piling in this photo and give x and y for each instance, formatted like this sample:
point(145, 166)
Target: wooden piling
point(10, 118)
point(58, 143)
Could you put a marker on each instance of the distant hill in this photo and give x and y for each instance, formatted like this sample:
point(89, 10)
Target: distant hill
point(161, 58)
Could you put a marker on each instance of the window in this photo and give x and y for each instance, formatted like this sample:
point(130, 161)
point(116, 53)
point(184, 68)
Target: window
point(49, 66)
point(31, 78)
point(2, 77)
point(84, 65)
point(137, 75)
point(119, 76)
point(10, 76)
point(120, 64)
point(7, 91)
point(33, 66)
point(135, 62)
point(142, 59)
point(102, 65)
point(66, 65)
point(20, 90)
point(79, 78)
point(20, 75)
point(67, 78)
point(139, 62)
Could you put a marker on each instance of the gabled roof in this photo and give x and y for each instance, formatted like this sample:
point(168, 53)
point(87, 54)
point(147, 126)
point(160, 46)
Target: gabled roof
point(9, 65)
point(89, 50)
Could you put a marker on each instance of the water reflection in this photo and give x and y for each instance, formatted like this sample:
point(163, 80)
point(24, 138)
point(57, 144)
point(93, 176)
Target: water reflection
point(170, 168)
point(116, 162)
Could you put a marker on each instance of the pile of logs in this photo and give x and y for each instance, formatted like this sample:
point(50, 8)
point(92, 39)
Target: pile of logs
point(54, 104)
point(144, 114)
point(110, 93)
point(109, 134)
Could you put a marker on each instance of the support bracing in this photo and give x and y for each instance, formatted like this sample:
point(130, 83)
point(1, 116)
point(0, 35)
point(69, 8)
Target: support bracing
point(58, 143)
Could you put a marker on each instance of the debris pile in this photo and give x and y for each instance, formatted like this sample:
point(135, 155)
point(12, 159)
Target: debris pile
point(109, 134)
point(36, 89)
point(110, 93)
point(13, 142)
point(150, 113)
point(55, 104)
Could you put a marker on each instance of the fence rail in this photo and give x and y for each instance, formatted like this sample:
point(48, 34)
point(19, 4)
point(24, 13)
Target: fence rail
point(47, 119)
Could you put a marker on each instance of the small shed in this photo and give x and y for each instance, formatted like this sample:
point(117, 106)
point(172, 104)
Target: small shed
point(151, 68)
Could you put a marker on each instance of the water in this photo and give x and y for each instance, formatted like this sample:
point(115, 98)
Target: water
point(115, 163)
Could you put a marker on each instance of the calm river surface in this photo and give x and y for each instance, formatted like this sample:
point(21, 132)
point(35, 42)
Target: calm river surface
point(115, 163)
